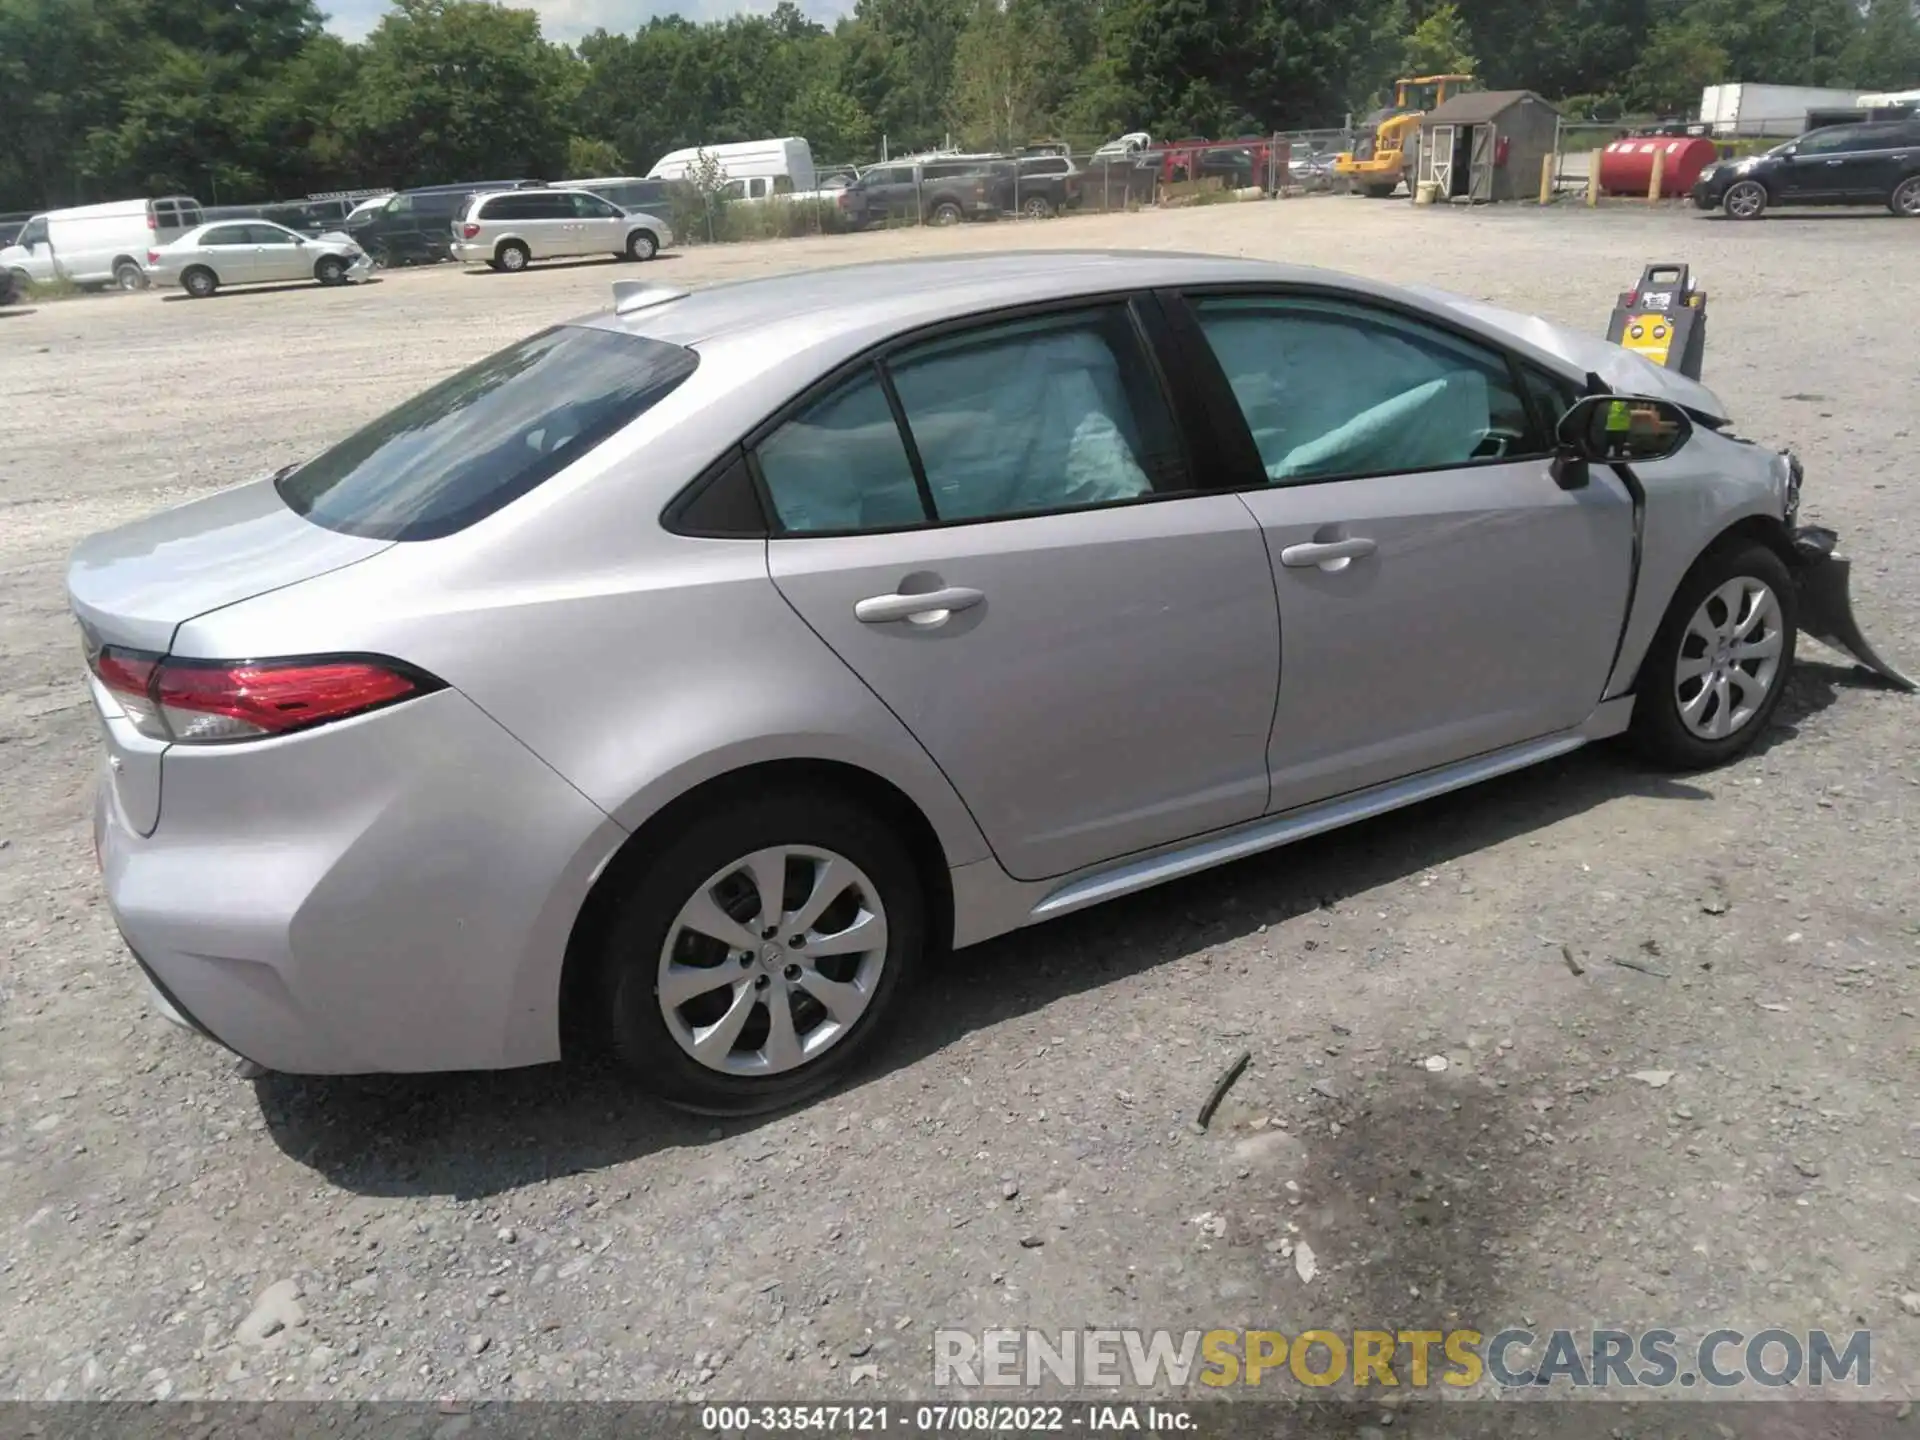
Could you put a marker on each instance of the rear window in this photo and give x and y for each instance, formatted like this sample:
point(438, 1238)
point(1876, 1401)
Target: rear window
point(485, 437)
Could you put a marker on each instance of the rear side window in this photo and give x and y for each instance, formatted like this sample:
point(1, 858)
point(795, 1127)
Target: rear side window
point(1050, 414)
point(485, 437)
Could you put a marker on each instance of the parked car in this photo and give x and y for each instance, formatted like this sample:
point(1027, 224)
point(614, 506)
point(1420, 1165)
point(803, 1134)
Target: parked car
point(941, 191)
point(416, 226)
point(1877, 163)
point(629, 192)
point(94, 246)
point(509, 230)
point(685, 679)
point(253, 252)
point(1037, 186)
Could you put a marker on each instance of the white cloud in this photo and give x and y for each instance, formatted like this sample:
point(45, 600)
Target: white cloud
point(570, 19)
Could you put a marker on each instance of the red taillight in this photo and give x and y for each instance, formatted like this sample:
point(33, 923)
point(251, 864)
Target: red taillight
point(153, 222)
point(153, 257)
point(202, 702)
point(469, 230)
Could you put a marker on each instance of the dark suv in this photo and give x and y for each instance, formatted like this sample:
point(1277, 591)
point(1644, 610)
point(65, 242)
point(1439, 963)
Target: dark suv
point(417, 225)
point(1036, 186)
point(1877, 163)
point(940, 191)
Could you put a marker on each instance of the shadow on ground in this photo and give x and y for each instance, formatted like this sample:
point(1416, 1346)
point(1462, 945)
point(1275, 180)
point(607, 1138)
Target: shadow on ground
point(474, 1135)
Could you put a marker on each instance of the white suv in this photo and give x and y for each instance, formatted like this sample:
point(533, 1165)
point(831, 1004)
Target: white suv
point(509, 229)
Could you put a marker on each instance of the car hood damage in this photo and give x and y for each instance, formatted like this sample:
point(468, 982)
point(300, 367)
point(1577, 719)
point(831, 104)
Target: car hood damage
point(1623, 370)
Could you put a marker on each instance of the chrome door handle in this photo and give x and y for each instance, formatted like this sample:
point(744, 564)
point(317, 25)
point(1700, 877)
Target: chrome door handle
point(927, 609)
point(1328, 555)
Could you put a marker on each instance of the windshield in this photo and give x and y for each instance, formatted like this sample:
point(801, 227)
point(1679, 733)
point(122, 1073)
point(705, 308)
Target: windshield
point(485, 437)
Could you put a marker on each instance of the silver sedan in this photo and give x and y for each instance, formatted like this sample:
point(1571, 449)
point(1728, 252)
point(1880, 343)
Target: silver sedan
point(682, 680)
point(252, 252)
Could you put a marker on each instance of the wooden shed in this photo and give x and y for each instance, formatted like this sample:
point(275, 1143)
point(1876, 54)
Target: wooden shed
point(1487, 145)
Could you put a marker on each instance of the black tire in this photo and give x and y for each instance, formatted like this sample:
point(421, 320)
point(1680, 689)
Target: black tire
point(1905, 199)
point(1381, 192)
point(642, 245)
point(511, 256)
point(637, 932)
point(1745, 200)
point(1658, 731)
point(129, 276)
point(946, 212)
point(330, 270)
point(199, 282)
point(1037, 207)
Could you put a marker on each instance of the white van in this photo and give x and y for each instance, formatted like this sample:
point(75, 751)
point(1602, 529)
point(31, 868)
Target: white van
point(97, 245)
point(755, 169)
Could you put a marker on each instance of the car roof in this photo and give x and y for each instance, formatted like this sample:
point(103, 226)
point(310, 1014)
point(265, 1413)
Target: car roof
point(895, 295)
point(833, 315)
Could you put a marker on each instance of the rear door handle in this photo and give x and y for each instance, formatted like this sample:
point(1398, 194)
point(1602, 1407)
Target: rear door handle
point(1328, 554)
point(925, 609)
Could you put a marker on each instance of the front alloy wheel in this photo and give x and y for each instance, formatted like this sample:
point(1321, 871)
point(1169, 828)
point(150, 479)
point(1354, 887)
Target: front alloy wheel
point(773, 960)
point(1906, 198)
point(1729, 658)
point(1746, 200)
point(1718, 664)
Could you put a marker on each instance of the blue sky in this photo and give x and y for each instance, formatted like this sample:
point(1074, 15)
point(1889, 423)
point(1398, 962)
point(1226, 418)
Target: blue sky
point(570, 19)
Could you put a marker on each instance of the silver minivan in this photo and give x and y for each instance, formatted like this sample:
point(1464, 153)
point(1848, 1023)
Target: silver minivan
point(510, 229)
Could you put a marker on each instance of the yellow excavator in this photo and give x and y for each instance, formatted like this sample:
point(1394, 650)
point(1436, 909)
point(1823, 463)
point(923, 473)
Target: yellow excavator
point(1382, 159)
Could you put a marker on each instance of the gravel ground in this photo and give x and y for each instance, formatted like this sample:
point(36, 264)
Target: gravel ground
point(1024, 1155)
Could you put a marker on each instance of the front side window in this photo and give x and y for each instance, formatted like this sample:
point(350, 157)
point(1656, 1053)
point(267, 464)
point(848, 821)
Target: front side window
point(1830, 142)
point(590, 207)
point(1056, 413)
point(400, 205)
point(1332, 389)
point(270, 235)
point(226, 235)
point(35, 233)
point(483, 438)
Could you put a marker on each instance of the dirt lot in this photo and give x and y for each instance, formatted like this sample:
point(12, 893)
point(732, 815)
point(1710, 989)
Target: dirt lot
point(1025, 1155)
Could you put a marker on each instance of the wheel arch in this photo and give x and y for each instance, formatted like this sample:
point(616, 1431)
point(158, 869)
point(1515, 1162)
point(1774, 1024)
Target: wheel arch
point(867, 787)
point(1760, 527)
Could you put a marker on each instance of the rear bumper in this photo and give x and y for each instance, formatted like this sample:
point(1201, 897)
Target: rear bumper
point(472, 252)
point(392, 893)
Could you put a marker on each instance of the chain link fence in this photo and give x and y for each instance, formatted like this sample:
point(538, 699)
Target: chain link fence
point(1034, 183)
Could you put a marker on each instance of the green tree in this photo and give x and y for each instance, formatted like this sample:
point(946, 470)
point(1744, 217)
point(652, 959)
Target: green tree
point(1885, 55)
point(459, 89)
point(832, 122)
point(587, 158)
point(1682, 56)
point(1438, 45)
point(1002, 64)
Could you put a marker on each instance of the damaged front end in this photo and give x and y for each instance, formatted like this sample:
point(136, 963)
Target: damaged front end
point(1826, 601)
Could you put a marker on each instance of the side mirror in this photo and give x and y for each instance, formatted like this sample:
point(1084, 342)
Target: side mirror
point(1616, 430)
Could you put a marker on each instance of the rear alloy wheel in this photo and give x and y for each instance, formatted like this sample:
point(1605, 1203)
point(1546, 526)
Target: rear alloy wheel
point(1905, 199)
point(946, 213)
point(642, 245)
point(512, 256)
point(199, 282)
point(1719, 663)
point(1745, 200)
point(330, 270)
point(761, 951)
point(1036, 207)
point(129, 276)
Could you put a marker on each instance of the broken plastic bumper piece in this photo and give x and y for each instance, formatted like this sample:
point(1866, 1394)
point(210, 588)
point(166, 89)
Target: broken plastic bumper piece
point(1826, 604)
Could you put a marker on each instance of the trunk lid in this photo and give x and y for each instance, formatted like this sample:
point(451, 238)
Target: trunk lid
point(133, 587)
